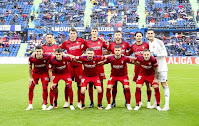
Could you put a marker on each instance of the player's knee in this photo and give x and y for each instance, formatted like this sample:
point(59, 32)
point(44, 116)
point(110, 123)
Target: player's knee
point(139, 85)
point(99, 90)
point(108, 89)
point(164, 84)
point(155, 86)
point(126, 86)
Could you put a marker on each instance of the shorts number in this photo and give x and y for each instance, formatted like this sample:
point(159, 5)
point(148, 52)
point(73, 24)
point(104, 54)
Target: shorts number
point(53, 77)
point(110, 78)
point(139, 77)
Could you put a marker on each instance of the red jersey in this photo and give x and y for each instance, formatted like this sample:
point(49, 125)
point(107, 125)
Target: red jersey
point(138, 49)
point(124, 45)
point(90, 66)
point(49, 49)
point(96, 45)
point(59, 67)
point(118, 66)
point(147, 67)
point(40, 65)
point(73, 48)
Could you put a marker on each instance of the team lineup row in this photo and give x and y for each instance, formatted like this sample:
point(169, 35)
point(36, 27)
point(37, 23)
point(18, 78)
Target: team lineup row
point(68, 67)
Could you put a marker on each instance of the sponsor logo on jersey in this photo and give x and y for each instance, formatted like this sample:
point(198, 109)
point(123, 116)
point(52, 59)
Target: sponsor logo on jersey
point(96, 47)
point(61, 67)
point(139, 53)
point(146, 67)
point(90, 66)
point(42, 65)
point(74, 47)
point(118, 66)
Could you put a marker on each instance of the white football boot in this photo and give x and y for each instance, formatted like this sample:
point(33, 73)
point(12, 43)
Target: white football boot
point(108, 107)
point(136, 108)
point(50, 107)
point(128, 106)
point(66, 105)
point(43, 107)
point(79, 105)
point(30, 107)
point(158, 108)
point(72, 107)
point(166, 108)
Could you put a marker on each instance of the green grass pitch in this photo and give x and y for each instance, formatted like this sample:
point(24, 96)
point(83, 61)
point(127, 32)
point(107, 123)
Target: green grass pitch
point(183, 81)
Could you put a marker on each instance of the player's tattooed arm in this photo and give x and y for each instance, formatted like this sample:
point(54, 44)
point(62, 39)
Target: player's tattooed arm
point(52, 85)
point(156, 75)
point(30, 74)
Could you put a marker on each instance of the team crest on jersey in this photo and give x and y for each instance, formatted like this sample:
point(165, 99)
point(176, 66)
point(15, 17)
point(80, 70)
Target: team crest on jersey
point(149, 63)
point(93, 61)
point(53, 49)
point(143, 47)
point(123, 46)
point(44, 61)
point(122, 62)
point(99, 43)
point(77, 42)
point(64, 62)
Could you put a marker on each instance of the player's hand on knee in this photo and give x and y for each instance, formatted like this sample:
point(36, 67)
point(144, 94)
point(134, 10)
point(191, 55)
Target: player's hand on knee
point(30, 81)
point(155, 81)
point(52, 85)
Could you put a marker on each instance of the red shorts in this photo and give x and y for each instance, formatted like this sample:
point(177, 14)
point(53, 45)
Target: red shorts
point(101, 72)
point(136, 72)
point(44, 78)
point(142, 78)
point(123, 79)
point(76, 73)
point(86, 80)
point(66, 77)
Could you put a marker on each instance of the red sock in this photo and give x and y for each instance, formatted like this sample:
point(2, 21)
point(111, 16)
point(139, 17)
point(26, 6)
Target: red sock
point(56, 93)
point(70, 93)
point(83, 98)
point(90, 91)
point(78, 93)
point(102, 86)
point(45, 93)
point(140, 95)
point(51, 96)
point(137, 95)
point(66, 93)
point(149, 95)
point(108, 95)
point(114, 91)
point(30, 94)
point(157, 95)
point(128, 95)
point(99, 98)
point(124, 91)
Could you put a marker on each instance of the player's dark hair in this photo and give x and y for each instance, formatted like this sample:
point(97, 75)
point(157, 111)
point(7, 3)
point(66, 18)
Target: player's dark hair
point(146, 50)
point(39, 47)
point(138, 32)
point(59, 50)
point(117, 46)
point(94, 28)
point(150, 30)
point(73, 30)
point(118, 31)
point(89, 49)
point(49, 34)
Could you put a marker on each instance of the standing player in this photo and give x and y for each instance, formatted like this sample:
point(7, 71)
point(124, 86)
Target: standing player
point(97, 45)
point(58, 69)
point(148, 72)
point(90, 74)
point(38, 72)
point(118, 73)
point(49, 48)
point(137, 48)
point(73, 46)
point(158, 50)
point(125, 46)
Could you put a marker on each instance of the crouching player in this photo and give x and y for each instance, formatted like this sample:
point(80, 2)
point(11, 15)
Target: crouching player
point(39, 71)
point(118, 73)
point(90, 75)
point(148, 72)
point(58, 69)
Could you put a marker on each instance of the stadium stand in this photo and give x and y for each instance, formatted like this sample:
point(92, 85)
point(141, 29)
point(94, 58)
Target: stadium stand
point(115, 13)
point(169, 14)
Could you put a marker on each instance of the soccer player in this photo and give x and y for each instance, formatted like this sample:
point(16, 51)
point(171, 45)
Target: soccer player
point(158, 50)
point(97, 45)
point(49, 48)
point(125, 46)
point(58, 69)
point(148, 72)
point(74, 46)
point(118, 73)
point(38, 72)
point(90, 75)
point(137, 48)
